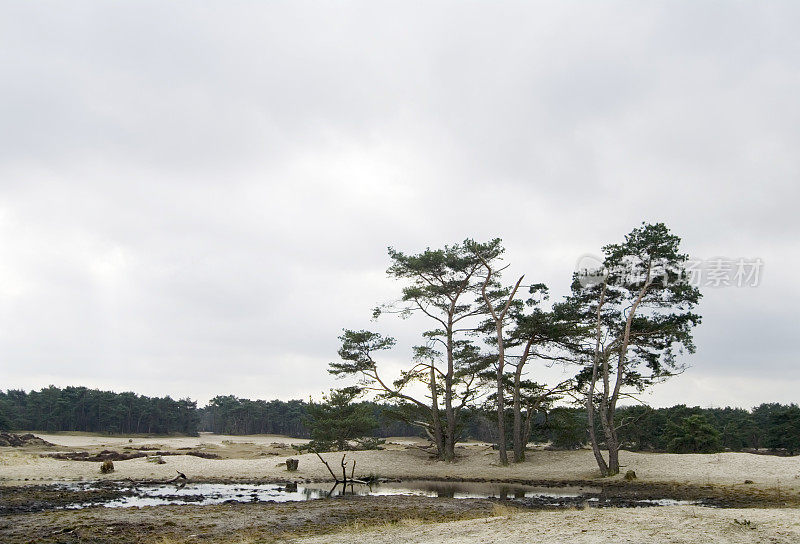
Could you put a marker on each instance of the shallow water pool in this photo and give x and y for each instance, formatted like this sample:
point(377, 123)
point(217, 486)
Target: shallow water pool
point(134, 495)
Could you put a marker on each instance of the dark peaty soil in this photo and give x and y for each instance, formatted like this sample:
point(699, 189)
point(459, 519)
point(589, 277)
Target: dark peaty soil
point(228, 523)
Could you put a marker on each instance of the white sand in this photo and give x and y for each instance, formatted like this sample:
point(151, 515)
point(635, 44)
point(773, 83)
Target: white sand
point(669, 524)
point(401, 461)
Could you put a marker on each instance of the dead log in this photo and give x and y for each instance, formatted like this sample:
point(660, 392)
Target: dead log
point(180, 476)
point(327, 465)
point(181, 479)
point(345, 480)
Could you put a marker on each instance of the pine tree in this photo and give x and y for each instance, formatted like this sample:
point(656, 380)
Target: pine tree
point(337, 420)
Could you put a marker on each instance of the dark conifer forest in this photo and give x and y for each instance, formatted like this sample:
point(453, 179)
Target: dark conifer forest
point(769, 427)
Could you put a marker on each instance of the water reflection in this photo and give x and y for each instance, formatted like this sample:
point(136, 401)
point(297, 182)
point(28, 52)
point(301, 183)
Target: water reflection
point(209, 493)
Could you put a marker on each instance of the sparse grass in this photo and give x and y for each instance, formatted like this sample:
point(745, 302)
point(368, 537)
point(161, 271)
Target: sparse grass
point(193, 539)
point(744, 523)
point(505, 510)
point(17, 458)
point(359, 526)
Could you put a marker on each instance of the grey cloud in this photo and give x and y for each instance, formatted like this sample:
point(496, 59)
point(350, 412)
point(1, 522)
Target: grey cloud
point(193, 198)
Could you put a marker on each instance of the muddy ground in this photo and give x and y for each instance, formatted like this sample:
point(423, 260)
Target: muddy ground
point(36, 513)
point(261, 522)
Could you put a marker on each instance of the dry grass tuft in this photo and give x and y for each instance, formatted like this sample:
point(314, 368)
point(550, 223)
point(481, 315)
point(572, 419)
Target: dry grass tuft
point(193, 539)
point(505, 511)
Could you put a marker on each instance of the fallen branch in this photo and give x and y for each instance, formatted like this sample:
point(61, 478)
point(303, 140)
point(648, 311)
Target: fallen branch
point(327, 465)
point(345, 480)
point(180, 477)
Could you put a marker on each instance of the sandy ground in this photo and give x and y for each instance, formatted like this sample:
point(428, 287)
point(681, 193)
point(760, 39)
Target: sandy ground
point(670, 524)
point(262, 457)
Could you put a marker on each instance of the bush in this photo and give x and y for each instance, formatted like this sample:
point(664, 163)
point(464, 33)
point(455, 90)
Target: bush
point(319, 446)
point(107, 466)
point(369, 443)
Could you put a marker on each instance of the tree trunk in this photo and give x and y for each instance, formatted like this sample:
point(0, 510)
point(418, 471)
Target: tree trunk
point(501, 401)
point(610, 431)
point(607, 422)
point(526, 427)
point(521, 436)
point(601, 463)
point(519, 440)
point(501, 359)
point(437, 422)
point(613, 457)
point(598, 455)
point(611, 402)
point(450, 433)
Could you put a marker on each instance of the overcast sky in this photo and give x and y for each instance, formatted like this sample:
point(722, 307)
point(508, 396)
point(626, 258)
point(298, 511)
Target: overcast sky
point(195, 199)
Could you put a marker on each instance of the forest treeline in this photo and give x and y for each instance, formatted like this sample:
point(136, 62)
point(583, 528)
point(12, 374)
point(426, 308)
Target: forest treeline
point(770, 427)
point(679, 428)
point(91, 410)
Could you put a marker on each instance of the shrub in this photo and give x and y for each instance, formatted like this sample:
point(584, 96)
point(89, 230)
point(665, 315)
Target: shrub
point(319, 446)
point(107, 466)
point(369, 443)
